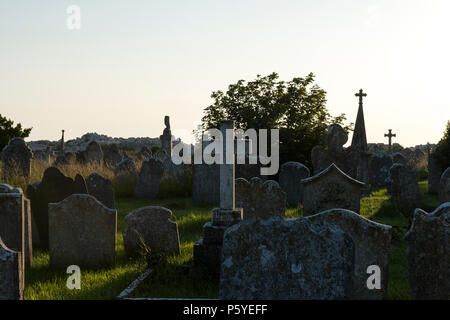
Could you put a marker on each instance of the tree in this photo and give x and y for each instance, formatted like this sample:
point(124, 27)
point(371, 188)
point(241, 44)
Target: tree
point(442, 151)
point(297, 108)
point(9, 131)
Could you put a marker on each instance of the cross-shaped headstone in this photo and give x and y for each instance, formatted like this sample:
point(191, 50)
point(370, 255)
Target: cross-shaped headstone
point(390, 135)
point(360, 95)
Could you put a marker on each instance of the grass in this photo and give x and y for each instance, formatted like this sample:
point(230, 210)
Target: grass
point(174, 280)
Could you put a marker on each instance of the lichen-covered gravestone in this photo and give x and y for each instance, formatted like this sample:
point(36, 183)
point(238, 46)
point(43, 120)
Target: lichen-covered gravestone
point(82, 231)
point(403, 188)
point(260, 199)
point(372, 243)
point(291, 174)
point(124, 167)
point(16, 159)
point(92, 154)
point(331, 189)
point(428, 254)
point(112, 155)
point(286, 259)
point(150, 226)
point(150, 176)
point(444, 187)
point(12, 278)
point(101, 188)
point(379, 165)
point(54, 187)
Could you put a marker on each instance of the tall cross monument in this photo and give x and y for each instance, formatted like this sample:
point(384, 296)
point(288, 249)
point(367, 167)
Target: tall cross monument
point(390, 135)
point(359, 140)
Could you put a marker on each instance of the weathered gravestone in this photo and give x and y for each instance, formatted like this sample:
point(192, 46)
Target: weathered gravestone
point(379, 165)
point(291, 174)
point(331, 189)
point(92, 154)
point(399, 158)
point(428, 254)
point(82, 231)
point(67, 158)
point(372, 243)
point(101, 188)
point(279, 259)
point(444, 187)
point(54, 187)
point(403, 189)
point(260, 199)
point(126, 166)
point(150, 226)
point(16, 159)
point(12, 278)
point(150, 176)
point(205, 183)
point(434, 174)
point(112, 155)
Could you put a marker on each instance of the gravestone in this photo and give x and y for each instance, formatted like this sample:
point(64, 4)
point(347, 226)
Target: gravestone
point(54, 187)
point(92, 154)
point(399, 158)
point(112, 155)
point(260, 199)
point(331, 189)
point(82, 231)
point(428, 254)
point(372, 244)
point(144, 153)
point(379, 165)
point(152, 226)
point(291, 174)
point(444, 187)
point(279, 259)
point(403, 189)
point(126, 166)
point(205, 183)
point(12, 278)
point(150, 176)
point(16, 159)
point(67, 158)
point(42, 155)
point(434, 174)
point(101, 188)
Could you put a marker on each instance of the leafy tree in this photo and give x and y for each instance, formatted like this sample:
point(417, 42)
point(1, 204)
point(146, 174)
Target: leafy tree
point(8, 131)
point(442, 151)
point(297, 108)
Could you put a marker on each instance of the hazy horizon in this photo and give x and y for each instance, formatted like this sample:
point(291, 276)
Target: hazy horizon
point(133, 62)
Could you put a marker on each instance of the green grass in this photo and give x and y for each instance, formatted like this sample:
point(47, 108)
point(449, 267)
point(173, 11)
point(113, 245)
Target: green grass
point(174, 280)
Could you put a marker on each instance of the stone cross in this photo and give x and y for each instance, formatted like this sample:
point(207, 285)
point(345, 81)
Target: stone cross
point(62, 142)
point(361, 95)
point(227, 169)
point(390, 135)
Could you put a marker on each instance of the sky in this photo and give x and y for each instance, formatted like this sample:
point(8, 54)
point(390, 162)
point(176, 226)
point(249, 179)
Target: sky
point(133, 62)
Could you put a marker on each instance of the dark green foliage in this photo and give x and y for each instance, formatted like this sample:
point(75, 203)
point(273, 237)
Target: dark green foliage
point(8, 131)
point(442, 151)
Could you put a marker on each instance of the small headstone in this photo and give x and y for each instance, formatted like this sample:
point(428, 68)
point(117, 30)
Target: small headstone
point(444, 187)
point(12, 278)
point(291, 174)
point(67, 158)
point(331, 189)
point(101, 188)
point(399, 158)
point(149, 180)
point(260, 199)
point(16, 159)
point(428, 254)
point(151, 225)
point(279, 259)
point(379, 165)
point(42, 155)
point(403, 189)
point(82, 231)
point(372, 243)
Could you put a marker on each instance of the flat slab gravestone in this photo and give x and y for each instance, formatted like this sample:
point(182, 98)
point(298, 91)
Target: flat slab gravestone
point(331, 189)
point(372, 244)
point(150, 176)
point(285, 260)
point(260, 199)
point(444, 187)
point(12, 279)
point(428, 254)
point(291, 174)
point(152, 226)
point(101, 188)
point(82, 231)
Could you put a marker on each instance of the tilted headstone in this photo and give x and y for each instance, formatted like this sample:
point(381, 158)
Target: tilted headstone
point(82, 231)
point(150, 176)
point(428, 254)
point(16, 159)
point(286, 259)
point(260, 199)
point(444, 187)
point(434, 174)
point(331, 189)
point(291, 174)
point(54, 187)
point(399, 158)
point(101, 188)
point(12, 277)
point(379, 165)
point(372, 244)
point(403, 188)
point(151, 226)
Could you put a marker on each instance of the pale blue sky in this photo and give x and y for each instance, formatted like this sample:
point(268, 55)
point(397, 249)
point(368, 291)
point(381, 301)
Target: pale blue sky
point(133, 62)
